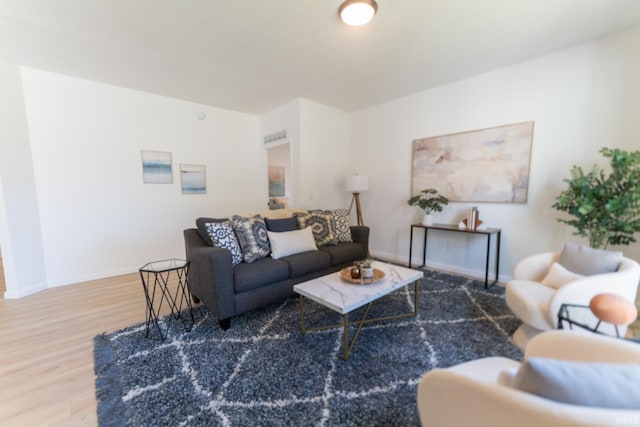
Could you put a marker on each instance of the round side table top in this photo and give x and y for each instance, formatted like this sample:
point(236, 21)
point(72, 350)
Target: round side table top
point(612, 308)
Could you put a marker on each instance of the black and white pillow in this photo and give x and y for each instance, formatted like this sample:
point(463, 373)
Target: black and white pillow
point(222, 236)
point(340, 225)
point(252, 236)
point(320, 224)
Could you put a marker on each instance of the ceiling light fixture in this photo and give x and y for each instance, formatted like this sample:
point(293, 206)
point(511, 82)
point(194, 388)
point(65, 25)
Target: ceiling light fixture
point(357, 12)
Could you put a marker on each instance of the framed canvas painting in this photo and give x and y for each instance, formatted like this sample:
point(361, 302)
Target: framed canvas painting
point(193, 179)
point(156, 167)
point(276, 181)
point(486, 165)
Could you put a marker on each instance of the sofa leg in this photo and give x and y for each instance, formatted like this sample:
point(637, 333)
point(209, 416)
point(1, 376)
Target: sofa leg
point(225, 324)
point(195, 299)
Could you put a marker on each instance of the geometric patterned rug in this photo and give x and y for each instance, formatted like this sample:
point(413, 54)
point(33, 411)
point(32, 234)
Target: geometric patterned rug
point(264, 371)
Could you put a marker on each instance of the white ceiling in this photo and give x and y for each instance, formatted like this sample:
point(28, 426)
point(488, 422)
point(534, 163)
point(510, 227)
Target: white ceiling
point(254, 55)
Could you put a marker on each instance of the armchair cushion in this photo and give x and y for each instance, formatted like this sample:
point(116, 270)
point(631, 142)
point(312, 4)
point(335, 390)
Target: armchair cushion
point(558, 276)
point(603, 385)
point(587, 261)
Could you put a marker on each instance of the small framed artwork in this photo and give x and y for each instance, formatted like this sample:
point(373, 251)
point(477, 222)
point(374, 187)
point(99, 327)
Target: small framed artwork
point(156, 167)
point(276, 181)
point(193, 179)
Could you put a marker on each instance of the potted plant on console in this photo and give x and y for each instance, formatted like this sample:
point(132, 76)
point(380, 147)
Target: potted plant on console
point(429, 201)
point(606, 209)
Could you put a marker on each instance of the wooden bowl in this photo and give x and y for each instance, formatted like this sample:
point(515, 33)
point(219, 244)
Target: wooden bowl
point(345, 274)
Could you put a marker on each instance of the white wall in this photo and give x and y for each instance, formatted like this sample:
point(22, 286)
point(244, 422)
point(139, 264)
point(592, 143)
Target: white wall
point(324, 156)
point(20, 233)
point(580, 99)
point(98, 218)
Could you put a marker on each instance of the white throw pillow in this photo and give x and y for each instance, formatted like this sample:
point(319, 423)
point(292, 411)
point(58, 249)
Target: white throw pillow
point(291, 242)
point(558, 276)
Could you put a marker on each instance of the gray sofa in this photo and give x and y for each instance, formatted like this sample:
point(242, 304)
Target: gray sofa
point(229, 290)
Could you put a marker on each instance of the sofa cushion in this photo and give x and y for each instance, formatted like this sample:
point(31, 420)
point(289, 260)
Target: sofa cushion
point(344, 253)
point(602, 385)
point(320, 224)
point(223, 236)
point(201, 226)
point(558, 276)
point(281, 224)
point(291, 242)
point(307, 262)
point(259, 273)
point(252, 235)
point(588, 261)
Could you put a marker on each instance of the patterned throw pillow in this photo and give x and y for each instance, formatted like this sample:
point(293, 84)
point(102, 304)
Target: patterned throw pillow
point(252, 236)
point(339, 224)
point(222, 236)
point(320, 224)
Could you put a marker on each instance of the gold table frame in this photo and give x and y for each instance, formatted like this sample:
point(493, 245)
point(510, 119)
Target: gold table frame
point(348, 345)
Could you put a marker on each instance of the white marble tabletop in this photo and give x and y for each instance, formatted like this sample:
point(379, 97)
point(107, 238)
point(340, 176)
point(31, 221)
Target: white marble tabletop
point(343, 297)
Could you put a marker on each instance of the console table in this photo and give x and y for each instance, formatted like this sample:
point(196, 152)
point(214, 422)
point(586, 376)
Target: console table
point(448, 227)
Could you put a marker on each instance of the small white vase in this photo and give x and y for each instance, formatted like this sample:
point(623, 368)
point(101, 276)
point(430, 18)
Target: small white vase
point(427, 219)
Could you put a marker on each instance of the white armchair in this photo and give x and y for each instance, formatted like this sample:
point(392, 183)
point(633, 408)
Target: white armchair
point(537, 305)
point(471, 394)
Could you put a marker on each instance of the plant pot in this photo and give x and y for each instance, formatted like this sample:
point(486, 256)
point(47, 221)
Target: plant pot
point(427, 219)
point(367, 273)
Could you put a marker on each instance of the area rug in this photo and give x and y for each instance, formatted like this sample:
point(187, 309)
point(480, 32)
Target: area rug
point(264, 372)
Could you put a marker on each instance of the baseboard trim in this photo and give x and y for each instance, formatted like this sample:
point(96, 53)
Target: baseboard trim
point(445, 268)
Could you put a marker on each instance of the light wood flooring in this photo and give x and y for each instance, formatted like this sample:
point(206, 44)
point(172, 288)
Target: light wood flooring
point(46, 349)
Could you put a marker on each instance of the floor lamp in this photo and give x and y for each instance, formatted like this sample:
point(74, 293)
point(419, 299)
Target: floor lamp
point(356, 184)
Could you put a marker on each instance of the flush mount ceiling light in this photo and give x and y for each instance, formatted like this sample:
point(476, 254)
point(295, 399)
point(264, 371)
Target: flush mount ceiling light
point(357, 12)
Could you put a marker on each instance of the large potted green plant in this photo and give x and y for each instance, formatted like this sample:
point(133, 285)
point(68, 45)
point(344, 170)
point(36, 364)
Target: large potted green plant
point(429, 201)
point(605, 207)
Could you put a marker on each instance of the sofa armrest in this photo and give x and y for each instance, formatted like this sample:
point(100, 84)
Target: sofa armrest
point(210, 275)
point(360, 234)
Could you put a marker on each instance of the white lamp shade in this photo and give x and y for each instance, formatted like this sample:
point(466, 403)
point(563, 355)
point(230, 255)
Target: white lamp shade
point(357, 183)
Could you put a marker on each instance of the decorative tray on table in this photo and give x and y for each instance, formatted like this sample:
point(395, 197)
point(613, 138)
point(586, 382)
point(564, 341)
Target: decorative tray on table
point(345, 274)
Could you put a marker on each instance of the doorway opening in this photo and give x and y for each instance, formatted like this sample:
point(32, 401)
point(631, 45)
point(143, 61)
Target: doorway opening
point(280, 175)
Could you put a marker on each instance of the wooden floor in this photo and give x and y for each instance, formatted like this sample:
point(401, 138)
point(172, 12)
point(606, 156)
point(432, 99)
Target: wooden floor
point(46, 349)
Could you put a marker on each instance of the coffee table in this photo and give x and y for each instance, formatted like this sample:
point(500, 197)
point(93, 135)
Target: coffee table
point(342, 297)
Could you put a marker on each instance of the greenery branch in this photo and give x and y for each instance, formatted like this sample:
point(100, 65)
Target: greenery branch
point(605, 208)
